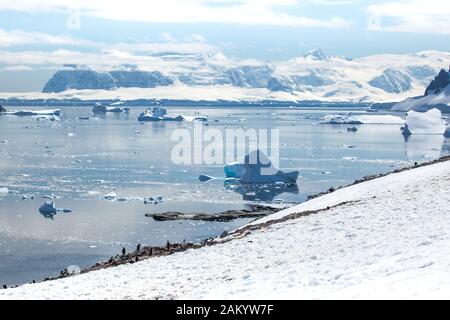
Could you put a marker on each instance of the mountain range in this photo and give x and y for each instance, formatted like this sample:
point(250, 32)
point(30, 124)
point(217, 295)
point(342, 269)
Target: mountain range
point(437, 95)
point(313, 76)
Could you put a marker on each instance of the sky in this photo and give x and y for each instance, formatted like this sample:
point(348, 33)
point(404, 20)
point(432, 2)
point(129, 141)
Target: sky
point(37, 37)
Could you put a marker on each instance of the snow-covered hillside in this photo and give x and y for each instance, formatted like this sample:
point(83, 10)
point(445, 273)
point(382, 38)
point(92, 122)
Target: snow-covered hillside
point(312, 76)
point(437, 95)
point(385, 238)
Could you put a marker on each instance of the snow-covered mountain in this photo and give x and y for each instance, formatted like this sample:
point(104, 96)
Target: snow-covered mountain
point(437, 95)
point(312, 76)
point(90, 79)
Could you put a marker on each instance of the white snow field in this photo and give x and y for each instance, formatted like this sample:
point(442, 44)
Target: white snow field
point(391, 242)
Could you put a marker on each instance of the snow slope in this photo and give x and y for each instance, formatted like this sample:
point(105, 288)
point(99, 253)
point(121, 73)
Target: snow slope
point(391, 243)
point(437, 95)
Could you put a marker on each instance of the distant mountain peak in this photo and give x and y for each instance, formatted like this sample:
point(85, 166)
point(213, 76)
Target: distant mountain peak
point(316, 54)
point(440, 82)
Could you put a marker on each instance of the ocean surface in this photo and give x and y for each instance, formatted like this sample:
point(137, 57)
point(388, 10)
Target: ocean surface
point(78, 161)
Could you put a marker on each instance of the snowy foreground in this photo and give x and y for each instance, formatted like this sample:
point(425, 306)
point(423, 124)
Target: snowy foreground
point(391, 241)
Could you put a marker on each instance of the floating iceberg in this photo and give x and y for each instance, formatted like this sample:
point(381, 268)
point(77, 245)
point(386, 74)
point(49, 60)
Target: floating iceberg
point(205, 177)
point(158, 114)
point(362, 119)
point(23, 113)
point(257, 168)
point(429, 122)
point(49, 210)
point(114, 108)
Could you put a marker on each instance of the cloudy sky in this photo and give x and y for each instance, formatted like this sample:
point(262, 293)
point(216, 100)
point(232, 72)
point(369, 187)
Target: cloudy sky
point(38, 36)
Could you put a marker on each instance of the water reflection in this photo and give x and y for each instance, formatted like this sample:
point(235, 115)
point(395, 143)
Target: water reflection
point(260, 192)
point(424, 146)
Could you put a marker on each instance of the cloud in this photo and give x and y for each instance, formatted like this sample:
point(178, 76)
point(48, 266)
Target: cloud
point(259, 12)
point(415, 16)
point(18, 37)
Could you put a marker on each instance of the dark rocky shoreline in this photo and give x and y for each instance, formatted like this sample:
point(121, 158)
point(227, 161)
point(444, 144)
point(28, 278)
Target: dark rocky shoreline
point(255, 211)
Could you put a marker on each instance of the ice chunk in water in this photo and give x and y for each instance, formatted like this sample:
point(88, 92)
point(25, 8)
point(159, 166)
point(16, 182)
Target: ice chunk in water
point(110, 196)
point(4, 191)
point(205, 177)
point(429, 122)
point(257, 168)
point(48, 208)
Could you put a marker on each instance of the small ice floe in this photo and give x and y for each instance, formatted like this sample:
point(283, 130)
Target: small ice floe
point(257, 168)
point(4, 141)
point(110, 196)
point(352, 129)
point(350, 158)
point(153, 200)
point(4, 191)
point(49, 210)
point(27, 197)
point(429, 122)
point(23, 113)
point(205, 177)
point(362, 119)
point(201, 118)
point(114, 108)
point(47, 118)
point(83, 118)
point(51, 197)
point(157, 113)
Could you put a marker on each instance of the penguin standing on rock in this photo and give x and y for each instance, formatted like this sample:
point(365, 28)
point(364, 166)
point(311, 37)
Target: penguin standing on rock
point(138, 247)
point(124, 251)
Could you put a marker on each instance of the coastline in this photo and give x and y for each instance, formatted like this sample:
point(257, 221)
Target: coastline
point(316, 205)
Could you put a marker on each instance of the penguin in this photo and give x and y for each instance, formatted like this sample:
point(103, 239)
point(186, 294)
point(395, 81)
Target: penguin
point(138, 247)
point(151, 252)
point(124, 251)
point(5, 286)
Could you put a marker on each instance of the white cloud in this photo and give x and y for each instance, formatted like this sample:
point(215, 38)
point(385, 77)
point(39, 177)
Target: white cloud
point(18, 37)
point(264, 12)
point(416, 16)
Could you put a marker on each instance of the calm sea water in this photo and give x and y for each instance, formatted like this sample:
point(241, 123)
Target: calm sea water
point(81, 161)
